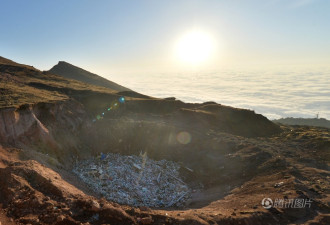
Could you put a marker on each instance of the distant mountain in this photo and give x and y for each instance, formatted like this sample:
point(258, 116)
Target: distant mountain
point(304, 121)
point(70, 71)
point(5, 61)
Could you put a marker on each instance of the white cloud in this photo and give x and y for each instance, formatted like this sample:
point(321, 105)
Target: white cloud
point(274, 94)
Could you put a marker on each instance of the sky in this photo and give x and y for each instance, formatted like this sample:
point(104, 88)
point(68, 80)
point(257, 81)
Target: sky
point(139, 36)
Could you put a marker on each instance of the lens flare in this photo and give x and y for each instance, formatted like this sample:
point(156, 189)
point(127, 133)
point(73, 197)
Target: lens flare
point(183, 138)
point(121, 99)
point(114, 105)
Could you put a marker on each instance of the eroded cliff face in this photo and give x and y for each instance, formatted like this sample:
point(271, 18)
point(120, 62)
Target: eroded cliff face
point(21, 125)
point(52, 125)
point(64, 129)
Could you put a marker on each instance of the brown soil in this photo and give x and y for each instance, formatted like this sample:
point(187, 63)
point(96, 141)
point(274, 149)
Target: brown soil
point(32, 193)
point(240, 157)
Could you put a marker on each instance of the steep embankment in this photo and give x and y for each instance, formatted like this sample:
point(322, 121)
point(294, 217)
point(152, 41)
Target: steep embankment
point(16, 125)
point(50, 128)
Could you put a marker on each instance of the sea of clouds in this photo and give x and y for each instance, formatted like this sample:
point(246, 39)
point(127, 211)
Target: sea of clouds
point(273, 94)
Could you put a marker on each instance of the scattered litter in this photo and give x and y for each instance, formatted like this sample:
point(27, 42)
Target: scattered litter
point(190, 170)
point(135, 180)
point(95, 206)
point(279, 184)
point(137, 166)
point(158, 178)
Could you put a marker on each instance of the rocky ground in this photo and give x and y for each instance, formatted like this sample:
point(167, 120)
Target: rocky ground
point(238, 157)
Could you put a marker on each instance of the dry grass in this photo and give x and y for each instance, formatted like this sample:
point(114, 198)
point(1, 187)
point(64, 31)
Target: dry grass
point(15, 95)
point(25, 85)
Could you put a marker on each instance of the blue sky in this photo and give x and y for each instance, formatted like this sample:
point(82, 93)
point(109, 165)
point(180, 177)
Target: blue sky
point(136, 36)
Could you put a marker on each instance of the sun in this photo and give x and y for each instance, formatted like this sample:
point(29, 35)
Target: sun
point(195, 47)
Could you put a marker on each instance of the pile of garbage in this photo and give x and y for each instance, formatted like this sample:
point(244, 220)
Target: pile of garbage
point(134, 180)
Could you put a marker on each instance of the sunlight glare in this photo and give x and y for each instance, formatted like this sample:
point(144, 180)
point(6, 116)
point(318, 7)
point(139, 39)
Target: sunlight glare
point(194, 47)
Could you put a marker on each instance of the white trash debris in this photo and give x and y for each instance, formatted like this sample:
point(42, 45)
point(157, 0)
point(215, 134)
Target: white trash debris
point(135, 180)
point(279, 184)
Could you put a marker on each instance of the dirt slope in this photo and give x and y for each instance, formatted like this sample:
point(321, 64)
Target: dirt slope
point(47, 123)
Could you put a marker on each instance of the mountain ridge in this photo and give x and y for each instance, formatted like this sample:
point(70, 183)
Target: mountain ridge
point(5, 61)
point(68, 70)
point(316, 122)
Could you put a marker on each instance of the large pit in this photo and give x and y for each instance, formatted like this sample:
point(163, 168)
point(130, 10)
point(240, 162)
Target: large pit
point(135, 180)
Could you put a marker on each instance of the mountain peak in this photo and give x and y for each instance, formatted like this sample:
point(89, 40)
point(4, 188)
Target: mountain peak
point(67, 70)
point(65, 63)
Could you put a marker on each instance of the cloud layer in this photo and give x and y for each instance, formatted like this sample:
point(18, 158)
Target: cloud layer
point(275, 95)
